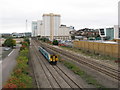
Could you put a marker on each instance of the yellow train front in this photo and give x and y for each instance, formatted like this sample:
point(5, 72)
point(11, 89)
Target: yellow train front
point(50, 56)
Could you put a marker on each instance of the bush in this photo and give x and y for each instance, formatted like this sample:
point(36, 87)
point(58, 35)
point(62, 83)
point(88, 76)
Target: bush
point(22, 59)
point(24, 52)
point(16, 81)
point(10, 85)
point(55, 42)
point(27, 40)
point(44, 39)
point(25, 44)
point(22, 47)
point(27, 80)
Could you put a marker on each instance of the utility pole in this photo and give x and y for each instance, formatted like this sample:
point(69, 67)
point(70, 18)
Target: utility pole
point(26, 24)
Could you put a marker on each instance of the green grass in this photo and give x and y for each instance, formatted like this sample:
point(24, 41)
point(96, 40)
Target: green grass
point(89, 79)
point(87, 53)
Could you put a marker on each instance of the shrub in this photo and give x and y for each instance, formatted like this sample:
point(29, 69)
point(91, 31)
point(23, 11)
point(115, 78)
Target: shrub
point(14, 80)
point(25, 44)
point(26, 79)
point(24, 52)
point(44, 39)
point(22, 66)
point(22, 47)
point(17, 81)
point(27, 40)
point(22, 58)
point(10, 85)
point(55, 42)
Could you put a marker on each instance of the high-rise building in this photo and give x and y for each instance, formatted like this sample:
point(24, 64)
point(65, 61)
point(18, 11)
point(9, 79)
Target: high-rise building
point(51, 23)
point(34, 28)
point(38, 27)
point(51, 28)
point(40, 31)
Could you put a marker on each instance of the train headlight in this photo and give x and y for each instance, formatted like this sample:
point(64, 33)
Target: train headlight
point(50, 59)
point(56, 59)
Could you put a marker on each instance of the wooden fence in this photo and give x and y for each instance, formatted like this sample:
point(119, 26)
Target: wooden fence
point(100, 48)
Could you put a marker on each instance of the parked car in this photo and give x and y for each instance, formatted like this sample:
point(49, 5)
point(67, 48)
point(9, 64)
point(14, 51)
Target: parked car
point(6, 48)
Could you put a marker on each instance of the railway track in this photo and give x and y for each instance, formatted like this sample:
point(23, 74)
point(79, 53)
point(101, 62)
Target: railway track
point(33, 69)
point(111, 72)
point(56, 77)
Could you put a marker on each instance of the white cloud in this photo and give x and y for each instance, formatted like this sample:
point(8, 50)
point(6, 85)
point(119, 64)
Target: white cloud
point(79, 13)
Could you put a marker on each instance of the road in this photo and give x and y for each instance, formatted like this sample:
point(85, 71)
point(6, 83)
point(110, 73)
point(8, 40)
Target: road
point(8, 65)
point(4, 53)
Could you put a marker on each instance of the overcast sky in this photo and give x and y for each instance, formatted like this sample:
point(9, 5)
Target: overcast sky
point(77, 13)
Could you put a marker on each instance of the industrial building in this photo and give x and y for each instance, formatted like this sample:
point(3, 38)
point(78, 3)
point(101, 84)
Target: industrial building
point(64, 32)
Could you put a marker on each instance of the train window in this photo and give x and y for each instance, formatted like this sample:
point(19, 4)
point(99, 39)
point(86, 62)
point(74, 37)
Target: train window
point(51, 56)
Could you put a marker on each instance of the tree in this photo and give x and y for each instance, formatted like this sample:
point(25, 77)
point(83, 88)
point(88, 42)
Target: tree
point(72, 37)
point(55, 42)
point(10, 42)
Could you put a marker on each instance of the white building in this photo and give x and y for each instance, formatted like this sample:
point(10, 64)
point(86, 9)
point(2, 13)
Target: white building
point(50, 27)
point(116, 32)
point(40, 31)
point(112, 32)
point(64, 32)
point(51, 23)
point(38, 27)
point(34, 28)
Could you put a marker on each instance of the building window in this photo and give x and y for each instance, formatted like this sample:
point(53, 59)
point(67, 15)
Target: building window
point(102, 32)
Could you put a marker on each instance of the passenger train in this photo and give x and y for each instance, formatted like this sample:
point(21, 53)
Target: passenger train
point(50, 56)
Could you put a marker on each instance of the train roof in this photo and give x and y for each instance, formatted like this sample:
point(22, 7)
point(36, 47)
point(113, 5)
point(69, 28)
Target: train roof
point(47, 50)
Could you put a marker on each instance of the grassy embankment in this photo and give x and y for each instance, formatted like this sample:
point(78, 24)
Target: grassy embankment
point(20, 77)
point(87, 53)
